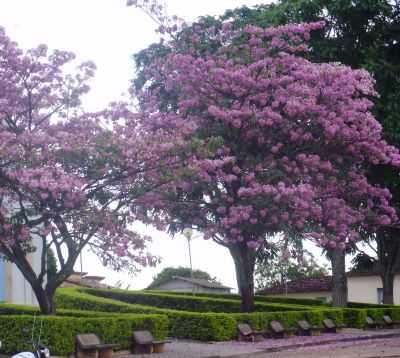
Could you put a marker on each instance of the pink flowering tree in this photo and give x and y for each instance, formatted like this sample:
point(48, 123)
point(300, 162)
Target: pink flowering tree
point(280, 144)
point(69, 179)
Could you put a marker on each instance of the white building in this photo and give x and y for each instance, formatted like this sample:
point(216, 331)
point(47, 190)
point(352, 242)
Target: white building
point(13, 286)
point(196, 285)
point(365, 287)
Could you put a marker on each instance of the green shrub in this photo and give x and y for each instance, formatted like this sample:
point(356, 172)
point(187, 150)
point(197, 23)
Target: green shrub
point(188, 303)
point(291, 300)
point(394, 313)
point(354, 317)
point(70, 298)
point(375, 311)
point(58, 333)
point(257, 298)
point(378, 313)
point(211, 326)
point(202, 326)
point(261, 320)
point(368, 305)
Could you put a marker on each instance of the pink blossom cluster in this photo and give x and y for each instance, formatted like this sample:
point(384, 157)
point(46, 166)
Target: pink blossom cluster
point(281, 144)
point(71, 176)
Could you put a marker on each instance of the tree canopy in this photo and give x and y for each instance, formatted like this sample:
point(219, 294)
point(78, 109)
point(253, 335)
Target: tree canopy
point(68, 178)
point(281, 143)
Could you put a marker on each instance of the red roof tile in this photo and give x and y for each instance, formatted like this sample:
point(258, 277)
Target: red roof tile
point(319, 284)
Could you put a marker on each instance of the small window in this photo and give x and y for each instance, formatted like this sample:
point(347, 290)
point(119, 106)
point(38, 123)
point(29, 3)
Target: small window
point(379, 292)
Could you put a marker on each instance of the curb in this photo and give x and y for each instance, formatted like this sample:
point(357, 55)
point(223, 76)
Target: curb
point(311, 344)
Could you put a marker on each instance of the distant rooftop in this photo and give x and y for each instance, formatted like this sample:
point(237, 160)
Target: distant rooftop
point(201, 282)
point(319, 284)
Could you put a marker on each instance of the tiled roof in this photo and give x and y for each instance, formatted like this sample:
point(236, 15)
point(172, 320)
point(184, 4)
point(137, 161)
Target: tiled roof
point(201, 282)
point(319, 284)
point(94, 278)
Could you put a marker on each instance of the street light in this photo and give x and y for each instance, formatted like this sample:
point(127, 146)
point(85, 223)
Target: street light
point(188, 233)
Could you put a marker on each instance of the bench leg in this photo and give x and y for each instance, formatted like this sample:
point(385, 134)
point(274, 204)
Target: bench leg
point(106, 353)
point(87, 354)
point(143, 349)
point(158, 348)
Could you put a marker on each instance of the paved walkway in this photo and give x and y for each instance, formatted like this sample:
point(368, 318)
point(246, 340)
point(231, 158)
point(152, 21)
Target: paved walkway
point(334, 345)
point(376, 348)
point(351, 343)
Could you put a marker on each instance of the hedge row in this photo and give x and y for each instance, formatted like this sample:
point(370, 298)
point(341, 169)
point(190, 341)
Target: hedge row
point(189, 303)
point(355, 317)
point(257, 298)
point(192, 325)
point(368, 305)
point(204, 326)
point(58, 333)
point(71, 298)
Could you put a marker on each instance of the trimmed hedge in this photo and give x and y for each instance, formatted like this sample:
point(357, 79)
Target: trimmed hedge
point(368, 305)
point(71, 298)
point(355, 317)
point(206, 326)
point(216, 326)
point(260, 320)
point(257, 298)
point(193, 325)
point(58, 333)
point(188, 303)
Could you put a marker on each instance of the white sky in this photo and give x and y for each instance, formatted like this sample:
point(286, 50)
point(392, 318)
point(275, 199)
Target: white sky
point(108, 33)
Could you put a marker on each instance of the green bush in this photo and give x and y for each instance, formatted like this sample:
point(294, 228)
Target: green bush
point(58, 333)
point(202, 326)
point(70, 298)
point(261, 320)
point(354, 317)
point(191, 325)
point(368, 305)
point(211, 326)
point(257, 298)
point(378, 313)
point(188, 303)
point(291, 300)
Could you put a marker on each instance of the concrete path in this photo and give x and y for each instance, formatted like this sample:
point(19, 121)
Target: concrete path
point(350, 343)
point(326, 345)
point(376, 348)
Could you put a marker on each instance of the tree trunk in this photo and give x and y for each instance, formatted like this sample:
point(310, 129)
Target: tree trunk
point(339, 280)
point(44, 296)
point(244, 259)
point(45, 300)
point(388, 249)
point(388, 283)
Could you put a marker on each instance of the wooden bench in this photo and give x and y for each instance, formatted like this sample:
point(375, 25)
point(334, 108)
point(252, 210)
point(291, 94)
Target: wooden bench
point(390, 322)
point(331, 326)
point(373, 323)
point(248, 334)
point(278, 331)
point(143, 342)
point(89, 346)
point(305, 329)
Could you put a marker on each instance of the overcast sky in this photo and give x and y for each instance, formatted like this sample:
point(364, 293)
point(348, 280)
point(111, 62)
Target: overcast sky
point(108, 33)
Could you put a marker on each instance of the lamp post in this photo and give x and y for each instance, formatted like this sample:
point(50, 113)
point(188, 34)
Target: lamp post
point(188, 233)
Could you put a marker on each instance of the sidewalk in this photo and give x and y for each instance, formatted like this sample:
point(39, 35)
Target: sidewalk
point(272, 347)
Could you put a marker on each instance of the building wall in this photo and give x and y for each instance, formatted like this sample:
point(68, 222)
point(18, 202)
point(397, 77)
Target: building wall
point(365, 288)
point(183, 286)
point(327, 296)
point(360, 289)
point(13, 286)
point(2, 280)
